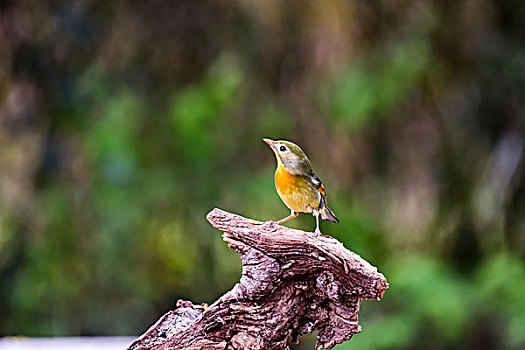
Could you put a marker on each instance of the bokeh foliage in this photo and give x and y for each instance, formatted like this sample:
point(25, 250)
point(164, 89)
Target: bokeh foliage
point(123, 123)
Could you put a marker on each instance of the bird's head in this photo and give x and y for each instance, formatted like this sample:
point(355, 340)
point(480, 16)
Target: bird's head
point(290, 155)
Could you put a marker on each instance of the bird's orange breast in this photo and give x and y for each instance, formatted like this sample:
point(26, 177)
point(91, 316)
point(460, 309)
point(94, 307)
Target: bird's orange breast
point(295, 191)
point(284, 181)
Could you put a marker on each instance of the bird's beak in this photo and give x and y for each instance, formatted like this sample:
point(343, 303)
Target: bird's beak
point(269, 142)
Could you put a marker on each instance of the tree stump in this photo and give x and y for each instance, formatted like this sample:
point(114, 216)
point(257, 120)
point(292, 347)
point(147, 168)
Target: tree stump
point(293, 282)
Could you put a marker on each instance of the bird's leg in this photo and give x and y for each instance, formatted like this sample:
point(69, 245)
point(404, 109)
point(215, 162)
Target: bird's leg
point(291, 216)
point(317, 230)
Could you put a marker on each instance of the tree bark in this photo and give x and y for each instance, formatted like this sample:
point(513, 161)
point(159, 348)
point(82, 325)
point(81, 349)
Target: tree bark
point(293, 282)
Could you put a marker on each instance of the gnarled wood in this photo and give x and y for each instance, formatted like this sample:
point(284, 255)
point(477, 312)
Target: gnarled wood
point(293, 283)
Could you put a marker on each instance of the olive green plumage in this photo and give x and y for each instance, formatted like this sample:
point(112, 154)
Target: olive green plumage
point(297, 183)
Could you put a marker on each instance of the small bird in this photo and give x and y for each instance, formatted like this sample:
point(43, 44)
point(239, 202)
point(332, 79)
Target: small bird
point(297, 184)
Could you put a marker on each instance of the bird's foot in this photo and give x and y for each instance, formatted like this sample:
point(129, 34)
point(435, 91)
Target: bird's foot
point(317, 232)
point(272, 225)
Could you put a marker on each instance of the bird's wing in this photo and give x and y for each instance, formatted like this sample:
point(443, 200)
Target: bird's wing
point(318, 183)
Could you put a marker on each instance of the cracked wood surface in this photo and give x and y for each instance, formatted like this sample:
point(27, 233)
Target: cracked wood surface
point(293, 282)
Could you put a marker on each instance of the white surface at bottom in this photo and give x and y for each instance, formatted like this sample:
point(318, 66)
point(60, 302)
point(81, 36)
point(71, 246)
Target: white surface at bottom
point(62, 343)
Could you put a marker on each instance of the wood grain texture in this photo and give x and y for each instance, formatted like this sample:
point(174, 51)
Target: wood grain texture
point(293, 282)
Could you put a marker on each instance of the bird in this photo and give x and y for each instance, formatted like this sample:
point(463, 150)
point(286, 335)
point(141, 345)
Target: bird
point(297, 184)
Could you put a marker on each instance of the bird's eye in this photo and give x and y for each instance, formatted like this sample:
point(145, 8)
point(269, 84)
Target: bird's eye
point(282, 149)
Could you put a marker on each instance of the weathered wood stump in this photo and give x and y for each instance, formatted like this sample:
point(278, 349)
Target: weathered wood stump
point(293, 282)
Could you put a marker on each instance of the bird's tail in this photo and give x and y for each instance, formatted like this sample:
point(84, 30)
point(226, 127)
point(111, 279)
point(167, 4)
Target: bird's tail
point(328, 215)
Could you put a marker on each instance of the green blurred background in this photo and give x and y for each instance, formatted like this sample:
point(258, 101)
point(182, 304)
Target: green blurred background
point(122, 123)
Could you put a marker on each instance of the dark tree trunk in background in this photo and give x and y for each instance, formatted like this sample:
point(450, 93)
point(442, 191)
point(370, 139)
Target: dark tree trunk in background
point(293, 283)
